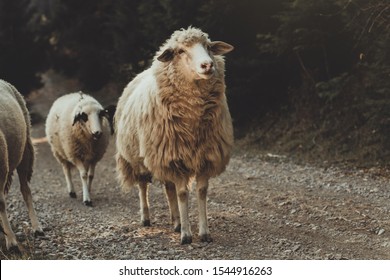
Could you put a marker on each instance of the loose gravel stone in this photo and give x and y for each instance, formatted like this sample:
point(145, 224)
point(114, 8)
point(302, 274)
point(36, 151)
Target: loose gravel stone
point(261, 207)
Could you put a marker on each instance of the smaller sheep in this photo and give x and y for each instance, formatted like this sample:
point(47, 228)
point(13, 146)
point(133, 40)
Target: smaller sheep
point(16, 153)
point(78, 132)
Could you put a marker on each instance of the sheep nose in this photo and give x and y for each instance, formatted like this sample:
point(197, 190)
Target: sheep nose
point(207, 66)
point(96, 134)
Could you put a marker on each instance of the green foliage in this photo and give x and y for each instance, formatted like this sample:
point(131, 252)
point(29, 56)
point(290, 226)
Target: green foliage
point(21, 56)
point(332, 88)
point(285, 50)
point(102, 41)
point(312, 36)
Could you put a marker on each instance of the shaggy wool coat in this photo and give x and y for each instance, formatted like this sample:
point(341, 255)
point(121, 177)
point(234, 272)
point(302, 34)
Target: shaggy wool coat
point(171, 128)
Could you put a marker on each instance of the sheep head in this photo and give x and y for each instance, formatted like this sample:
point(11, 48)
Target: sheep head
point(90, 117)
point(193, 53)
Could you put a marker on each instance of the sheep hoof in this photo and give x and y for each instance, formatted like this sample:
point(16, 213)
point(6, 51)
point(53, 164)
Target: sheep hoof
point(72, 195)
point(146, 223)
point(178, 228)
point(88, 203)
point(14, 249)
point(38, 233)
point(186, 240)
point(206, 238)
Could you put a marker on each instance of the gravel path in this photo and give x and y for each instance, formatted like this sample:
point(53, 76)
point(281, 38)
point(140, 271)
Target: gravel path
point(263, 207)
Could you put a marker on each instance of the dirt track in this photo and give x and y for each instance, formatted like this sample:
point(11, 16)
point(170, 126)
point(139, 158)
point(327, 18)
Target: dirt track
point(263, 207)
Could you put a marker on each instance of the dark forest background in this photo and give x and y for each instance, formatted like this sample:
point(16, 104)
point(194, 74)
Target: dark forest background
point(306, 77)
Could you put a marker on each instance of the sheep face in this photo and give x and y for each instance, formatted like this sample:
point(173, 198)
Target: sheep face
point(90, 119)
point(196, 60)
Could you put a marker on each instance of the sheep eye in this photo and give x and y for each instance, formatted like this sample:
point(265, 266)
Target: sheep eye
point(181, 51)
point(80, 117)
point(84, 117)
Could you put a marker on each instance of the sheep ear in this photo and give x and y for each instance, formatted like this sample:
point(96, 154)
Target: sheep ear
point(166, 56)
point(109, 113)
point(219, 47)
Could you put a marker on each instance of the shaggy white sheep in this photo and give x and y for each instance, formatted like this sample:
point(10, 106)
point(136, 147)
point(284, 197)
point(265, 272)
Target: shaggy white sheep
point(78, 131)
point(16, 152)
point(173, 124)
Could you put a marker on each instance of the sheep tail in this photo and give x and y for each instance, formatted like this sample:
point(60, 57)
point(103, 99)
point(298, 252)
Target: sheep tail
point(25, 168)
point(29, 153)
point(8, 183)
point(125, 171)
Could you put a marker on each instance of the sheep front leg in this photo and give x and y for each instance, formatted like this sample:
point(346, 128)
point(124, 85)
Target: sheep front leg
point(170, 192)
point(183, 195)
point(144, 203)
point(84, 181)
point(201, 191)
point(68, 178)
point(91, 173)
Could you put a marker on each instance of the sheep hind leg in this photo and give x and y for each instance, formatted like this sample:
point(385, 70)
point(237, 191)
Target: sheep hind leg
point(201, 191)
point(10, 238)
point(170, 191)
point(183, 195)
point(144, 203)
point(5, 181)
point(66, 167)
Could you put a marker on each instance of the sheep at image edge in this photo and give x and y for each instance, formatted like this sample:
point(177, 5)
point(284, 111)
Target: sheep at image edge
point(78, 132)
point(16, 152)
point(173, 124)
